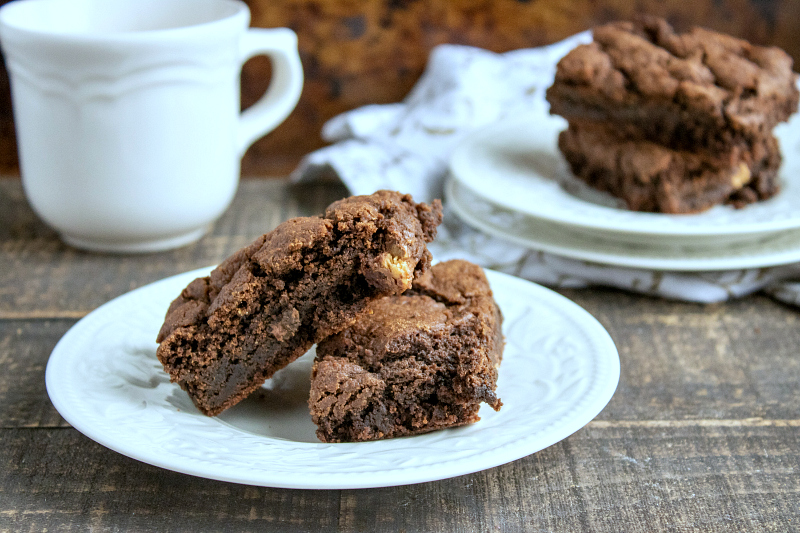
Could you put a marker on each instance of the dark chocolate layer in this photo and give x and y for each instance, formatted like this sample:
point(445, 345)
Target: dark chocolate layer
point(651, 177)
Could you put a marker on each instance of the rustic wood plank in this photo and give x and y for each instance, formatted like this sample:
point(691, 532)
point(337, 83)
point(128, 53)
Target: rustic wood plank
point(702, 434)
point(709, 479)
point(25, 346)
point(58, 480)
point(17, 219)
point(41, 277)
point(736, 361)
point(682, 360)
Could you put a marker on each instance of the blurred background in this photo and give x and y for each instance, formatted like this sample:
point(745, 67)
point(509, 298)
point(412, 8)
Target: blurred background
point(358, 52)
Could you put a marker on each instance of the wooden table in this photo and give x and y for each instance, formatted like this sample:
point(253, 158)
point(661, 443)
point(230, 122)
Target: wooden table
point(703, 433)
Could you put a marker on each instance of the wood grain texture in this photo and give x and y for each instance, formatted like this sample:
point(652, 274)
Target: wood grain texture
point(702, 435)
point(607, 480)
point(358, 52)
point(25, 346)
point(680, 383)
point(697, 361)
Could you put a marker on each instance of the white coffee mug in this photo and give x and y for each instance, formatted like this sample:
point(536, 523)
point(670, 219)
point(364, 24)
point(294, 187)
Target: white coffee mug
point(127, 113)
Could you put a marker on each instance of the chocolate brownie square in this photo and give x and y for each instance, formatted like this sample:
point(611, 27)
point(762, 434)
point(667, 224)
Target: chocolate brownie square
point(420, 361)
point(699, 89)
point(270, 302)
point(651, 177)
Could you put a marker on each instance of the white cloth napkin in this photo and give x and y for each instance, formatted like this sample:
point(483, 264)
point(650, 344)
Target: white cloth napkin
point(406, 146)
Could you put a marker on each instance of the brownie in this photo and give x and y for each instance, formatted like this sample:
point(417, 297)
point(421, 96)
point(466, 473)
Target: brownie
point(420, 361)
point(651, 177)
point(684, 91)
point(270, 302)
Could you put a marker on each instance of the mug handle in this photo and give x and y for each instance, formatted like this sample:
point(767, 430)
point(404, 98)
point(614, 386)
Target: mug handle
point(280, 45)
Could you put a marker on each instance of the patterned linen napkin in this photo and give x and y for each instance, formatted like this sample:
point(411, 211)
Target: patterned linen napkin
point(406, 146)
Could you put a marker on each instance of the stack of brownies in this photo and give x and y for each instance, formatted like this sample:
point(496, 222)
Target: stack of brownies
point(673, 123)
point(403, 347)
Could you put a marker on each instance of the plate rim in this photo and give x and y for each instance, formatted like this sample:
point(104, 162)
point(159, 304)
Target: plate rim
point(609, 258)
point(551, 125)
point(602, 392)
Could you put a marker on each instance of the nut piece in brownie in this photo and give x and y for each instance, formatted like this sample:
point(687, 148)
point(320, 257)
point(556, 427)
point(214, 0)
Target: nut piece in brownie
point(421, 361)
point(699, 88)
point(651, 177)
point(270, 302)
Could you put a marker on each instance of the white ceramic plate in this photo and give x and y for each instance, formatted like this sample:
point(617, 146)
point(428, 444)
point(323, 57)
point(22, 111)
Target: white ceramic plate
point(560, 368)
point(516, 164)
point(777, 248)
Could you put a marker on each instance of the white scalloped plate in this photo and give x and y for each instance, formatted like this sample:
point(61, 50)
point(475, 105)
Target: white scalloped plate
point(773, 249)
point(560, 369)
point(516, 164)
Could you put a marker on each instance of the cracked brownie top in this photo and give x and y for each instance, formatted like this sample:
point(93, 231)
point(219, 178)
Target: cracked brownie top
point(675, 89)
point(421, 361)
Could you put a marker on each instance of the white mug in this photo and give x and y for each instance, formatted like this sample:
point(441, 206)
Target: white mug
point(127, 113)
